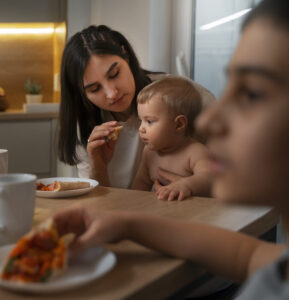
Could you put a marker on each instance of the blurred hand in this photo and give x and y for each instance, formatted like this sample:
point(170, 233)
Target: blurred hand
point(90, 226)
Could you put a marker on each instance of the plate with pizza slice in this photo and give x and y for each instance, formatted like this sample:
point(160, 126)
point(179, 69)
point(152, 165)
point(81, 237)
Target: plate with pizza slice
point(39, 262)
point(61, 187)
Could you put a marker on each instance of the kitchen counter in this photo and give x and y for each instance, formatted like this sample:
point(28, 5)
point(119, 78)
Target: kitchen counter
point(14, 115)
point(31, 139)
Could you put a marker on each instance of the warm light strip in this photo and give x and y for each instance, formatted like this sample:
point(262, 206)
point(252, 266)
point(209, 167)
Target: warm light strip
point(225, 19)
point(26, 30)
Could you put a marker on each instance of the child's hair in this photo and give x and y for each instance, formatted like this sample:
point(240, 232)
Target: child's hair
point(276, 11)
point(179, 94)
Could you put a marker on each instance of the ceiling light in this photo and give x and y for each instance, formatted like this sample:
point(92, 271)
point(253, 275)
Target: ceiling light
point(26, 30)
point(225, 19)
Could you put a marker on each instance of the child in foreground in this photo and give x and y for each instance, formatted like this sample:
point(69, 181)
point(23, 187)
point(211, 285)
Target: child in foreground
point(167, 109)
point(248, 137)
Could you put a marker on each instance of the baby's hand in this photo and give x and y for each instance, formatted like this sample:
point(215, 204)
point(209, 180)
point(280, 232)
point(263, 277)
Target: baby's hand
point(176, 190)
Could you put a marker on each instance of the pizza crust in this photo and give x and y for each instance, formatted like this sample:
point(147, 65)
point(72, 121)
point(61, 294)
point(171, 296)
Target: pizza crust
point(114, 135)
point(67, 185)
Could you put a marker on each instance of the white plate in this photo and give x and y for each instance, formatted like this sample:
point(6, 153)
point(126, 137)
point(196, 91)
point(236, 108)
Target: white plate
point(62, 194)
point(88, 266)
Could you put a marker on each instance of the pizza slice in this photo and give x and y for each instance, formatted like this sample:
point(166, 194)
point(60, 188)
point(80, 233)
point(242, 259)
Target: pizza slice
point(58, 186)
point(38, 256)
point(114, 135)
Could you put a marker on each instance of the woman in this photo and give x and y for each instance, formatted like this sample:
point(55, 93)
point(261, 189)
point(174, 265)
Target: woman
point(100, 79)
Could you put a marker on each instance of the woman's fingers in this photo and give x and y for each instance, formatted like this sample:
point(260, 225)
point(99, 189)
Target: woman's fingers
point(95, 143)
point(163, 194)
point(169, 176)
point(157, 186)
point(102, 131)
point(70, 220)
point(87, 239)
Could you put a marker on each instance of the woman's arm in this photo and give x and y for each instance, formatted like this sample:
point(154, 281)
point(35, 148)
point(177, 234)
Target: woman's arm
point(100, 152)
point(142, 180)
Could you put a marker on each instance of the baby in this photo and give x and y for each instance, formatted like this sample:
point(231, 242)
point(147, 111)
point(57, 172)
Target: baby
point(167, 109)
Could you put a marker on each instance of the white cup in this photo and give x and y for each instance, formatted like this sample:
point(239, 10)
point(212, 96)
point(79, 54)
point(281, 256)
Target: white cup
point(3, 161)
point(17, 201)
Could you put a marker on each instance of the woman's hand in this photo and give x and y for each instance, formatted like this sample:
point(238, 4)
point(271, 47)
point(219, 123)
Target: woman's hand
point(91, 226)
point(100, 151)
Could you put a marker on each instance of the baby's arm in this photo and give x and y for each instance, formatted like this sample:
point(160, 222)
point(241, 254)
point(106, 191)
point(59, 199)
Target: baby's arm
point(201, 181)
point(142, 179)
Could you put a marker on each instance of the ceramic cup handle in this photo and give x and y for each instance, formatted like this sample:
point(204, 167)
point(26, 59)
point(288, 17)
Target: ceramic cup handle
point(2, 192)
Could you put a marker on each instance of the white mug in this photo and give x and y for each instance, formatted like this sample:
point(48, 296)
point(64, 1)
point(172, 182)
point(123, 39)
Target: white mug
point(17, 201)
point(3, 161)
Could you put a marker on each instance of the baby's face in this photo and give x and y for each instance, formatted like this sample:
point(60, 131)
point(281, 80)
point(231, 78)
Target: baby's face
point(249, 126)
point(157, 129)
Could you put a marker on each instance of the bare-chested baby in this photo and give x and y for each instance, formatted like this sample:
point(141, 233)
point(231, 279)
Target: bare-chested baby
point(173, 161)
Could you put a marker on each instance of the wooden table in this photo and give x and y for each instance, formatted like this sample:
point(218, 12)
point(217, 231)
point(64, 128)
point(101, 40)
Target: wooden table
point(141, 273)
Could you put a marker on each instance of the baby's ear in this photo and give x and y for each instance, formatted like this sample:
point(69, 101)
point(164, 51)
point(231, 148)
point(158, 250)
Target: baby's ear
point(181, 122)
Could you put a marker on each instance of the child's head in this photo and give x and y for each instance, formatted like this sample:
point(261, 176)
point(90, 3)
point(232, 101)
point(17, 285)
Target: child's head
point(178, 95)
point(248, 127)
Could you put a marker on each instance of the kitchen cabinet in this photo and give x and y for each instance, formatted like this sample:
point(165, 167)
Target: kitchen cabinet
point(31, 145)
point(18, 11)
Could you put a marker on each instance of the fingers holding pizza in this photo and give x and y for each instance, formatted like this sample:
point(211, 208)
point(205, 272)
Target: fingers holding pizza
point(102, 141)
point(108, 131)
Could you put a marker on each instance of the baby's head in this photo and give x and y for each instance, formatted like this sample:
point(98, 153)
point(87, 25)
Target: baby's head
point(179, 95)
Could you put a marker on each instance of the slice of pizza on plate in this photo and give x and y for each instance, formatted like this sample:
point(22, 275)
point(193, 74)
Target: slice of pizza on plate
point(38, 256)
point(58, 186)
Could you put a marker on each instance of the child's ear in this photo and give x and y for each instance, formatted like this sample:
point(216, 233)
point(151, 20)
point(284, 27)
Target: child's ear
point(181, 122)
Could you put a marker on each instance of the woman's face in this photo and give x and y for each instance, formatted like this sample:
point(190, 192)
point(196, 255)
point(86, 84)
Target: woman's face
point(249, 127)
point(109, 83)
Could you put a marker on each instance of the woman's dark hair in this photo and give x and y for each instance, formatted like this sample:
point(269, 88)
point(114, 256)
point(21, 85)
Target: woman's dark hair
point(76, 111)
point(275, 11)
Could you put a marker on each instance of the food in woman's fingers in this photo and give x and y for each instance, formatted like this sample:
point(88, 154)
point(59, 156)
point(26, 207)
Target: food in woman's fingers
point(114, 134)
point(38, 256)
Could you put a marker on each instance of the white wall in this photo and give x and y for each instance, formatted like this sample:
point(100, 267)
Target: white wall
point(130, 17)
point(157, 29)
point(181, 38)
point(160, 29)
point(78, 16)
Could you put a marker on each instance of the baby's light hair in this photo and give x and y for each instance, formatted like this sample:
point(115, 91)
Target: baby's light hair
point(179, 94)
